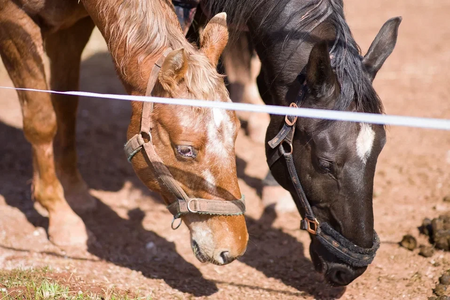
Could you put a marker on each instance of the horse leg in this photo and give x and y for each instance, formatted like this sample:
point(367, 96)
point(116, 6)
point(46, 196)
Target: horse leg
point(257, 122)
point(242, 66)
point(273, 193)
point(64, 49)
point(21, 49)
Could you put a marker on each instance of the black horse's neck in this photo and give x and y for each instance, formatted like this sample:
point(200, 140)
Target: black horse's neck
point(284, 32)
point(283, 35)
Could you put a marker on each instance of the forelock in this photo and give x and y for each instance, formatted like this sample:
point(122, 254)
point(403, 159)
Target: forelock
point(202, 80)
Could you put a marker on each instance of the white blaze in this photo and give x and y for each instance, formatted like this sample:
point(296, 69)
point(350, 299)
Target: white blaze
point(219, 115)
point(218, 143)
point(209, 177)
point(364, 142)
point(219, 132)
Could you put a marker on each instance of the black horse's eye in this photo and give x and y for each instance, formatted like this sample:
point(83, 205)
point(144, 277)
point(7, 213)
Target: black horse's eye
point(186, 151)
point(326, 166)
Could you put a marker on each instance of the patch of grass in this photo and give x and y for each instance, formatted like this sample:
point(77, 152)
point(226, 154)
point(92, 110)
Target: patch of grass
point(50, 290)
point(43, 284)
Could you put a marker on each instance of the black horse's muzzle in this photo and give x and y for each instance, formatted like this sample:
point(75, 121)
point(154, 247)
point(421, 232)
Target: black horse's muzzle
point(340, 260)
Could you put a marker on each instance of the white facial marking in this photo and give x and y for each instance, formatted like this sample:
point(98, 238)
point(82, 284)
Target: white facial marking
point(364, 142)
point(219, 115)
point(219, 142)
point(211, 181)
point(202, 234)
point(209, 177)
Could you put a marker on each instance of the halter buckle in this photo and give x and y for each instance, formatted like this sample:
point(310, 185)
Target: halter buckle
point(286, 118)
point(311, 229)
point(189, 207)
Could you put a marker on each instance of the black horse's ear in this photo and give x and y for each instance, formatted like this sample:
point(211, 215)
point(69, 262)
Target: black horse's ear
point(382, 46)
point(320, 77)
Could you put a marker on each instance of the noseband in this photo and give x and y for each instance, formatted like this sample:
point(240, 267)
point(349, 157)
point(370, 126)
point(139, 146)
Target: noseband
point(332, 240)
point(183, 204)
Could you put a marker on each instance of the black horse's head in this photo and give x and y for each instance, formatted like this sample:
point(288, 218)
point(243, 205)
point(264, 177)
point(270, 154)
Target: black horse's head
point(335, 161)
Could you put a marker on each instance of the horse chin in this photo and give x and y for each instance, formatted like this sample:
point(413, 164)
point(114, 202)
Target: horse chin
point(319, 263)
point(335, 272)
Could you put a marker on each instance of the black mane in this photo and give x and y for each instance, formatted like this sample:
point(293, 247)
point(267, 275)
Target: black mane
point(346, 54)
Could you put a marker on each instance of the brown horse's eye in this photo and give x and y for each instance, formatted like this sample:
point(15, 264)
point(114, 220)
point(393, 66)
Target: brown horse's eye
point(186, 151)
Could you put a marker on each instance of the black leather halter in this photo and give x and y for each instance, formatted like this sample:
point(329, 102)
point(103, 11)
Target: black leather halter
point(332, 240)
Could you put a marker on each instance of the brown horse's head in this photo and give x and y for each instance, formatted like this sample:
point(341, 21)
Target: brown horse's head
point(197, 145)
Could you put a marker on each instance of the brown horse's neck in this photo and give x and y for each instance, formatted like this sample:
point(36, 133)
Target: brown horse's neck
point(137, 32)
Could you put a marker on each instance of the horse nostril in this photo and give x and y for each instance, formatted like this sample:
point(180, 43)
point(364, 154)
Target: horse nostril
point(340, 275)
point(225, 255)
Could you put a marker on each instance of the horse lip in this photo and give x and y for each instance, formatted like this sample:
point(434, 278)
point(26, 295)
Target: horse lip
point(198, 253)
point(203, 258)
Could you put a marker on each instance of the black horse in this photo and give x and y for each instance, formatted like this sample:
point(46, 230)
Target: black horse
point(310, 59)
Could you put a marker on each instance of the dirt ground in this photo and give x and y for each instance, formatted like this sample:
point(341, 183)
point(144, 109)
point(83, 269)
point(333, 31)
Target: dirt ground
point(135, 249)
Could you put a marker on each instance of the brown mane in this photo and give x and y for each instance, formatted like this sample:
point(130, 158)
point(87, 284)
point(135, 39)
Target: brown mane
point(137, 23)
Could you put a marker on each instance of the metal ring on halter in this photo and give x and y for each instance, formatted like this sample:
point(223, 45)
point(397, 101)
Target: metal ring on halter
point(149, 136)
point(286, 118)
point(283, 150)
point(173, 221)
point(312, 229)
point(189, 207)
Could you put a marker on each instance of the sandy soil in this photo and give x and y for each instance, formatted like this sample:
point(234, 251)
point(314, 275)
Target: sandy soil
point(137, 251)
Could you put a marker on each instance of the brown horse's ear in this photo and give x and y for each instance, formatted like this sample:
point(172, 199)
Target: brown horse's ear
point(215, 37)
point(173, 70)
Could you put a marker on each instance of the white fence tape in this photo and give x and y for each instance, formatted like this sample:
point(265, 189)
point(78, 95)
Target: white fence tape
point(430, 123)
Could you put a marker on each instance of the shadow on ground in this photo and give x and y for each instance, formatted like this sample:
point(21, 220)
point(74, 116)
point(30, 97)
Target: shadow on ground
point(126, 243)
point(279, 255)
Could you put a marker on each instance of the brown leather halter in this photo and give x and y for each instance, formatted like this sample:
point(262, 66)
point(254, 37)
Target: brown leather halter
point(182, 204)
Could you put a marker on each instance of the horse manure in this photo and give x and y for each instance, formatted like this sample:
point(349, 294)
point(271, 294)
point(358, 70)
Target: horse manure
point(447, 198)
point(445, 279)
point(438, 231)
point(426, 227)
point(409, 242)
point(441, 232)
point(441, 290)
point(426, 251)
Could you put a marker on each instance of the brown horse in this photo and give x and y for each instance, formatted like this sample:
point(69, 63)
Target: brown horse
point(196, 145)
